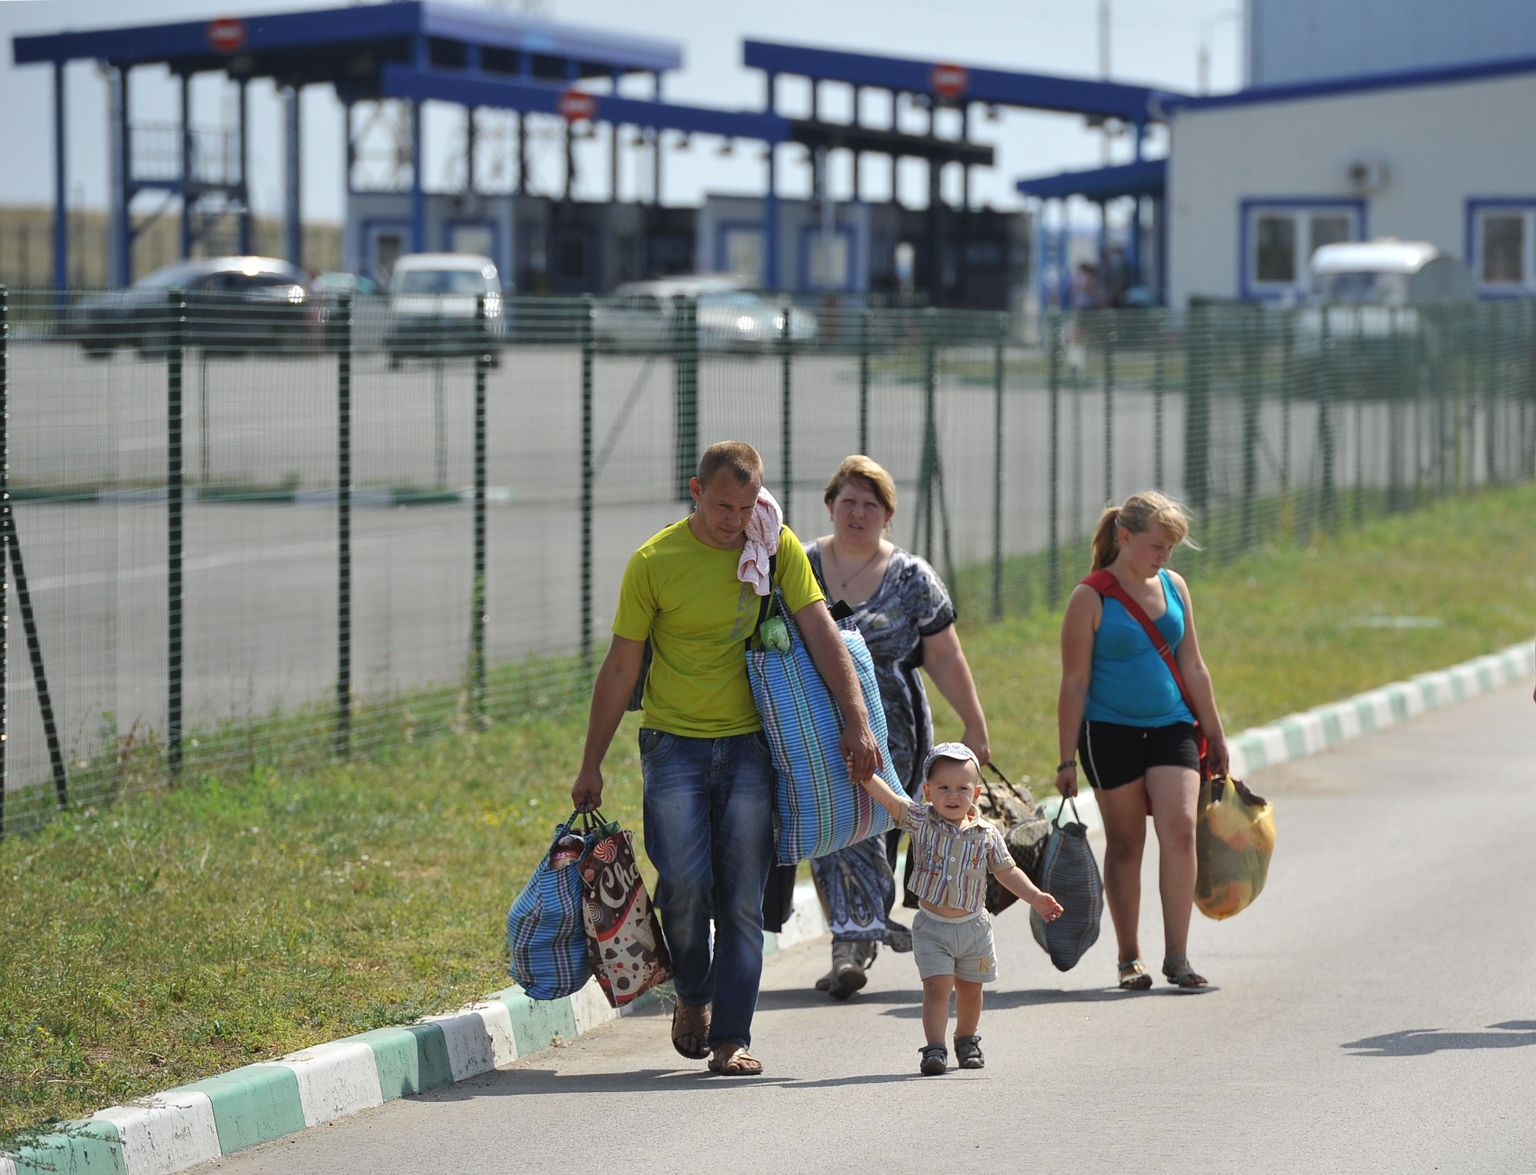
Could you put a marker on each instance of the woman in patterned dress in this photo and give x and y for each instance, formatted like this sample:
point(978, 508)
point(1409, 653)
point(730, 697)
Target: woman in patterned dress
point(908, 621)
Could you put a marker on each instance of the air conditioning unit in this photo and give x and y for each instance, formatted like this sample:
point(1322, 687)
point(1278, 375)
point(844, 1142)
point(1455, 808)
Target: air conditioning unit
point(1366, 175)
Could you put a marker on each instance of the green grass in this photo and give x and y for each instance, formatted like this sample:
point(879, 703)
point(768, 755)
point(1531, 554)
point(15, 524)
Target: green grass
point(177, 934)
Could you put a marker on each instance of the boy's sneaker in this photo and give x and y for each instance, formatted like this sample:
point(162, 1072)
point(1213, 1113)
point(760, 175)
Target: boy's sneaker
point(968, 1052)
point(935, 1060)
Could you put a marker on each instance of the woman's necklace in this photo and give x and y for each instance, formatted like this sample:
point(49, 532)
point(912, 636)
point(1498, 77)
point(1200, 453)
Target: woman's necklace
point(843, 579)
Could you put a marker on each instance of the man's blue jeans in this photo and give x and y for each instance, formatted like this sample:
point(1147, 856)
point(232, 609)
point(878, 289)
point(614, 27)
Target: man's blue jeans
point(709, 833)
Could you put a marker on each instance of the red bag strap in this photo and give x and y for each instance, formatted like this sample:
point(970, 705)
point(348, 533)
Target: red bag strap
point(1104, 582)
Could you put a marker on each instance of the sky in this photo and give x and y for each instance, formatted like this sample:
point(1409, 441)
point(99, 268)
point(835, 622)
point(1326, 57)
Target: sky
point(1150, 42)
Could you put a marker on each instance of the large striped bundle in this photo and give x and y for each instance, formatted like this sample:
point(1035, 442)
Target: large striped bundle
point(546, 934)
point(817, 807)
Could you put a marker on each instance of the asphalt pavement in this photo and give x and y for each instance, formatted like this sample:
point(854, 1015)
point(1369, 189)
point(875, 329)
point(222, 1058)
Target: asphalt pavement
point(1374, 1010)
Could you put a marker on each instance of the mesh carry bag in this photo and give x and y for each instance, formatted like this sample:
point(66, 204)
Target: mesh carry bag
point(818, 809)
point(1070, 874)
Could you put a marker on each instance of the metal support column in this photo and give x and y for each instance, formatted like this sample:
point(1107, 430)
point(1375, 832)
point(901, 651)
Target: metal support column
point(293, 213)
point(771, 200)
point(120, 271)
point(184, 163)
point(60, 199)
point(246, 220)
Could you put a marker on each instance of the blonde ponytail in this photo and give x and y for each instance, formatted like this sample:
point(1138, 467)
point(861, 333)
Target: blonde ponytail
point(1139, 514)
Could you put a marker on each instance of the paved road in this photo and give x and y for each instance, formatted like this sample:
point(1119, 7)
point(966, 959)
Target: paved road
point(1374, 1011)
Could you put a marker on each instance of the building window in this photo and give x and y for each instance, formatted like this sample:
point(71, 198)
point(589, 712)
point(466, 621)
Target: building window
point(1501, 245)
point(1280, 236)
point(741, 252)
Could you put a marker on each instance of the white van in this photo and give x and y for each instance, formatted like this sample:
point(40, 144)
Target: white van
point(1369, 292)
point(432, 303)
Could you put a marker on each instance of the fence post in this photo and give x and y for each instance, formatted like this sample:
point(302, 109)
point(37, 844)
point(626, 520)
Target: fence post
point(1528, 350)
point(477, 572)
point(786, 406)
point(866, 324)
point(1053, 462)
point(175, 521)
point(341, 339)
point(1111, 338)
point(1253, 340)
point(1159, 389)
point(588, 483)
point(1325, 441)
point(926, 469)
point(1197, 408)
point(685, 366)
point(999, 376)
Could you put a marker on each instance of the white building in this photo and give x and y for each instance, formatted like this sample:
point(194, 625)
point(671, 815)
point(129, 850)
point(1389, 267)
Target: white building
point(1258, 179)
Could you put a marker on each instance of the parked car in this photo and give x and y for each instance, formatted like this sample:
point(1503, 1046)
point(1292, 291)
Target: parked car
point(232, 304)
point(729, 317)
point(432, 305)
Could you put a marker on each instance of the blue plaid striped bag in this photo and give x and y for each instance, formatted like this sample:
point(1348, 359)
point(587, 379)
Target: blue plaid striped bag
point(546, 934)
point(818, 809)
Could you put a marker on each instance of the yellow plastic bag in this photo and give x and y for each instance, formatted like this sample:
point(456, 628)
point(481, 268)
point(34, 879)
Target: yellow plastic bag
point(1234, 839)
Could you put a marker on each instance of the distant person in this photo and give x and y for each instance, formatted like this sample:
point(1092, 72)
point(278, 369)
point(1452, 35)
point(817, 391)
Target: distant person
point(905, 615)
point(707, 778)
point(954, 850)
point(1087, 292)
point(1122, 717)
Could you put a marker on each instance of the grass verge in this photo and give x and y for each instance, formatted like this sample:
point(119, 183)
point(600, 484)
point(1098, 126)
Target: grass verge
point(182, 933)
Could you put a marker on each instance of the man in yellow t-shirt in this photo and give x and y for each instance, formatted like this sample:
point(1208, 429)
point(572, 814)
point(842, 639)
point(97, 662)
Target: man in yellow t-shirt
point(708, 779)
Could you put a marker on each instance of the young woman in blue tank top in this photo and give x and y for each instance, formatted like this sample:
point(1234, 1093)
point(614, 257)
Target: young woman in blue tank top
point(1123, 720)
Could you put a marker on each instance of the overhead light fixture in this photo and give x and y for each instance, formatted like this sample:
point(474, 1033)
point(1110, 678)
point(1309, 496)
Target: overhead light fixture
point(683, 141)
point(637, 139)
point(727, 147)
point(994, 112)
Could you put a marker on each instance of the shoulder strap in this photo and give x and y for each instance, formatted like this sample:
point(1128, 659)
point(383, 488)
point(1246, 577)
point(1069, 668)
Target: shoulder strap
point(764, 601)
point(1104, 582)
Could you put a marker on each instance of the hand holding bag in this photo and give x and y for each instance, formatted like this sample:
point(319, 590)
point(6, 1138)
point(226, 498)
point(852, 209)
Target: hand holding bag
point(1234, 839)
point(545, 935)
point(1070, 874)
point(627, 952)
point(818, 809)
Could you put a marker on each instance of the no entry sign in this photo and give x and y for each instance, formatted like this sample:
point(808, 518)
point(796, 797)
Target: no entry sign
point(949, 81)
point(226, 35)
point(577, 106)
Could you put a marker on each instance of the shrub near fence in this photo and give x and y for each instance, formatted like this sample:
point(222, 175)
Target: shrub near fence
point(238, 545)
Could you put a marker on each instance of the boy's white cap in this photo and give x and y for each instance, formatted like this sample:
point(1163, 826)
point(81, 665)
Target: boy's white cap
point(956, 751)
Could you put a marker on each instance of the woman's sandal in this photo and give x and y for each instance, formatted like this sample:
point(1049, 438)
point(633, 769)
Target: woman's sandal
point(1134, 976)
point(690, 1030)
point(1181, 974)
point(731, 1059)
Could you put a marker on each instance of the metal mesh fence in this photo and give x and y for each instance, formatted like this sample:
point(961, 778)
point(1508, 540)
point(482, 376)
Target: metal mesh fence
point(248, 530)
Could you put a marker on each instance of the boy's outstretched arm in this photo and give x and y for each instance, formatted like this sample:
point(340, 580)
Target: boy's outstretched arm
point(1017, 881)
point(884, 795)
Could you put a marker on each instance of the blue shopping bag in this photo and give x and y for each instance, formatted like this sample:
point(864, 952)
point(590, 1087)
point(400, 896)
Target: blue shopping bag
point(818, 809)
point(546, 934)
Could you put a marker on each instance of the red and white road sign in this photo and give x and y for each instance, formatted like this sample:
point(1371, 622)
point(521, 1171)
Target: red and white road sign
point(226, 35)
point(577, 106)
point(949, 81)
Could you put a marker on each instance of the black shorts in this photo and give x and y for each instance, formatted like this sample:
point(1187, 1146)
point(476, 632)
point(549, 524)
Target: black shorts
point(1112, 755)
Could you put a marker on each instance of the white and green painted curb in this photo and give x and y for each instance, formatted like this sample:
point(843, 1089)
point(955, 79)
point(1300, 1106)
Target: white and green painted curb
point(192, 1124)
point(1318, 729)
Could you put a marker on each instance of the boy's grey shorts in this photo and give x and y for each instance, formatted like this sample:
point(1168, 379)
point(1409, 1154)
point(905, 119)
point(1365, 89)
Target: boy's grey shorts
point(961, 947)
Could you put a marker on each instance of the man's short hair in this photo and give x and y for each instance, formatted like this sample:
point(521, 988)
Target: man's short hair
point(744, 462)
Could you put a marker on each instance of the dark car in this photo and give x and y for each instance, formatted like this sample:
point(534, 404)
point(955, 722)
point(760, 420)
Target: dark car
point(232, 304)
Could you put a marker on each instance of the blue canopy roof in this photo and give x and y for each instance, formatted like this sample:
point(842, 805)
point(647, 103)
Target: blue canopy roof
point(1149, 177)
point(349, 46)
point(997, 87)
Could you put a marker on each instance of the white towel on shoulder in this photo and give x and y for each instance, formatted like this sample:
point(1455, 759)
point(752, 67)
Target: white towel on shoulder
point(762, 542)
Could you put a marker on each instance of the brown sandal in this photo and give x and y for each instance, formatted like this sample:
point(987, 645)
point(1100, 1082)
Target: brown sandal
point(690, 1030)
point(731, 1059)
